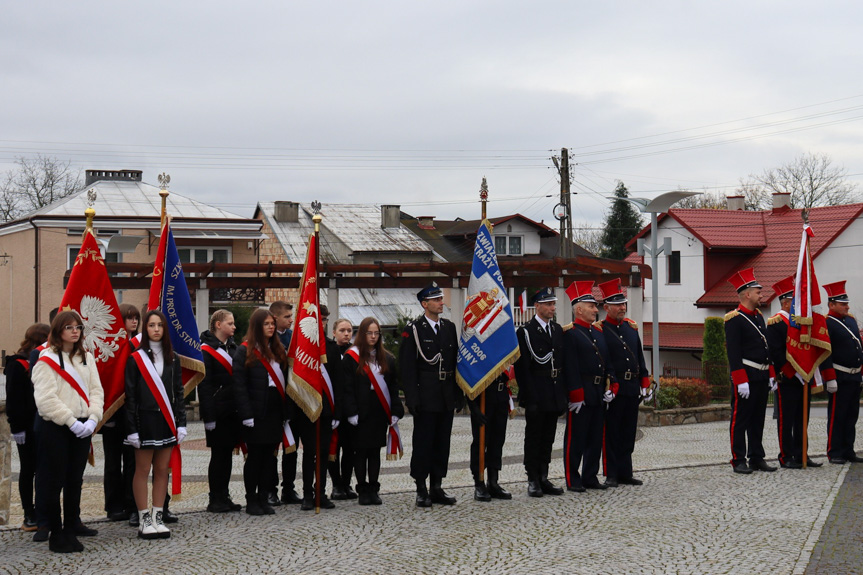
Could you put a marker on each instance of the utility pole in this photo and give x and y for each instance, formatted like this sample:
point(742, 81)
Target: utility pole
point(563, 210)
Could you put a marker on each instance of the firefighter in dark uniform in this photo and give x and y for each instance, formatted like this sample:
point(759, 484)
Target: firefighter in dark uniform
point(630, 370)
point(843, 402)
point(427, 358)
point(494, 419)
point(540, 390)
point(752, 374)
point(591, 384)
point(789, 393)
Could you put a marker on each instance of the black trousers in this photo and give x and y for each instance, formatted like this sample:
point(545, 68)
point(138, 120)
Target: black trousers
point(789, 424)
point(368, 466)
point(747, 422)
point(342, 469)
point(119, 470)
point(27, 475)
point(305, 430)
point(256, 475)
point(540, 428)
point(582, 445)
point(431, 438)
point(222, 442)
point(61, 459)
point(495, 436)
point(618, 442)
point(843, 410)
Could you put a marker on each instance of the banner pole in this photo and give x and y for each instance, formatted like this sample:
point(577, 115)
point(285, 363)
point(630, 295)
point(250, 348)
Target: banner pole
point(317, 220)
point(805, 425)
point(483, 197)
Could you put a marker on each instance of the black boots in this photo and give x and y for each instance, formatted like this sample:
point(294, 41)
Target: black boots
point(533, 487)
point(480, 491)
point(548, 488)
point(423, 498)
point(252, 505)
point(438, 495)
point(494, 488)
point(365, 494)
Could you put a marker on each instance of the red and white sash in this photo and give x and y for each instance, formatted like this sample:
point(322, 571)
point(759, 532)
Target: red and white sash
point(135, 341)
point(71, 376)
point(220, 355)
point(277, 379)
point(157, 388)
point(24, 363)
point(373, 372)
point(329, 388)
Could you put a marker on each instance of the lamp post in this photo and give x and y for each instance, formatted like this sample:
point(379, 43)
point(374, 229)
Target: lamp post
point(658, 205)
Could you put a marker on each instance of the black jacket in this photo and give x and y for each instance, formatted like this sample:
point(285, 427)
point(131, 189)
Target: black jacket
point(216, 390)
point(746, 338)
point(430, 386)
point(254, 400)
point(587, 362)
point(627, 356)
point(361, 400)
point(847, 350)
point(20, 405)
point(538, 374)
point(139, 398)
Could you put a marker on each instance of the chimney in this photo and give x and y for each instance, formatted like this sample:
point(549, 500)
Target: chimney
point(92, 176)
point(288, 212)
point(781, 201)
point(390, 216)
point(425, 222)
point(735, 203)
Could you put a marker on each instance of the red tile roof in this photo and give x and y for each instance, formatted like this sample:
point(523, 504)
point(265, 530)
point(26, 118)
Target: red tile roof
point(674, 336)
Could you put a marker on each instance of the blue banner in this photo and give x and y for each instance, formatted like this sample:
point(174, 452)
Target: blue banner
point(488, 344)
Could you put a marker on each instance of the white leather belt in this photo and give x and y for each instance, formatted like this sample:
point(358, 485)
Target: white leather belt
point(844, 369)
point(761, 366)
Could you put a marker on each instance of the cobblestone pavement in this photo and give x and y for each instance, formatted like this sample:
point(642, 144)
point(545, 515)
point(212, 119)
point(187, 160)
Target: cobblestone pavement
point(692, 515)
point(838, 548)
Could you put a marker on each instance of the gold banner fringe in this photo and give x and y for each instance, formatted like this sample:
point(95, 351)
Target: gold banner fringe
point(473, 393)
point(299, 390)
point(198, 368)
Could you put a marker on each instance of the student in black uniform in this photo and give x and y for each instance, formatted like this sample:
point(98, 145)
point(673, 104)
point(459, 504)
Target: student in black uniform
point(259, 390)
point(372, 405)
point(218, 408)
point(342, 466)
point(21, 411)
point(155, 419)
point(497, 404)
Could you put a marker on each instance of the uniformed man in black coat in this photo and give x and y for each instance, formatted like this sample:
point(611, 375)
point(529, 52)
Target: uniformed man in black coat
point(630, 370)
point(427, 358)
point(843, 402)
point(752, 374)
point(541, 391)
point(789, 393)
point(591, 384)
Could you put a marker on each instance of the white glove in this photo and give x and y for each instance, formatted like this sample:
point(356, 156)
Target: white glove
point(20, 437)
point(394, 419)
point(799, 378)
point(645, 391)
point(832, 386)
point(181, 434)
point(334, 423)
point(576, 407)
point(89, 427)
point(647, 394)
point(209, 425)
point(773, 384)
point(134, 440)
point(354, 419)
point(743, 390)
point(608, 396)
point(249, 422)
point(79, 430)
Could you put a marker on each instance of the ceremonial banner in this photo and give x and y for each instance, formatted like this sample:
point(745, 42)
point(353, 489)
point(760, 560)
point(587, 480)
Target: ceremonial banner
point(488, 344)
point(808, 343)
point(307, 352)
point(522, 302)
point(90, 294)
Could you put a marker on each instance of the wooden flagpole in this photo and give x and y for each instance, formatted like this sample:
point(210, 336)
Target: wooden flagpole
point(316, 206)
point(483, 196)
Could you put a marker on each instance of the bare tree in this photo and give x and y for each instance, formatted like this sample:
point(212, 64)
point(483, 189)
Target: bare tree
point(753, 200)
point(811, 179)
point(34, 183)
point(587, 236)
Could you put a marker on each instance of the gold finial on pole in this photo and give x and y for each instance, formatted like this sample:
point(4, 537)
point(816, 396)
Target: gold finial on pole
point(90, 212)
point(483, 196)
point(316, 209)
point(164, 180)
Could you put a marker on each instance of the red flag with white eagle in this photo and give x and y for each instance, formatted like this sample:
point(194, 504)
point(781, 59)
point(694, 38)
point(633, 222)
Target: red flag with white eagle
point(307, 351)
point(89, 293)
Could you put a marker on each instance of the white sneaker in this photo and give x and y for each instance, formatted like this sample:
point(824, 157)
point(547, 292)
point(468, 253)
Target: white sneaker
point(146, 530)
point(162, 531)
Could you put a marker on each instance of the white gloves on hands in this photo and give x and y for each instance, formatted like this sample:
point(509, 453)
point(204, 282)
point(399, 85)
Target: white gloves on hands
point(773, 384)
point(79, 430)
point(647, 394)
point(394, 419)
point(209, 425)
point(334, 423)
point(832, 386)
point(181, 434)
point(743, 390)
point(249, 422)
point(608, 396)
point(576, 406)
point(134, 440)
point(354, 420)
point(20, 437)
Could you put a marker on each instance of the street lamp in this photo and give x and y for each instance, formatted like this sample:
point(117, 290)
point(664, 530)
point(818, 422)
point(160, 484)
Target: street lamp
point(658, 205)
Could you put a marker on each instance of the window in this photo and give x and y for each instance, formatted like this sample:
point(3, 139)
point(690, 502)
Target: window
point(673, 262)
point(514, 246)
point(500, 245)
point(203, 255)
point(507, 245)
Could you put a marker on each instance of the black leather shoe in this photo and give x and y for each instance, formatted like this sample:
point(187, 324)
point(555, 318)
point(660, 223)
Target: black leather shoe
point(598, 486)
point(760, 465)
point(326, 503)
point(134, 520)
point(854, 458)
point(308, 504)
point(263, 501)
point(611, 482)
point(338, 494)
point(494, 488)
point(533, 488)
point(117, 516)
point(350, 492)
point(630, 481)
point(480, 492)
point(77, 546)
point(289, 496)
point(439, 496)
point(423, 498)
point(273, 500)
point(233, 506)
point(791, 464)
point(41, 535)
point(838, 461)
point(742, 468)
point(82, 530)
point(59, 544)
point(218, 506)
point(576, 488)
point(812, 463)
point(548, 488)
point(168, 517)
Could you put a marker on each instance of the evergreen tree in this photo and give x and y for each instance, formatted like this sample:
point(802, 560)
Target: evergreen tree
point(714, 360)
point(621, 225)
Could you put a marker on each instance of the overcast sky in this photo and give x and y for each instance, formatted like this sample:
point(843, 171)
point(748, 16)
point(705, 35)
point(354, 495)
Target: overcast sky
point(412, 103)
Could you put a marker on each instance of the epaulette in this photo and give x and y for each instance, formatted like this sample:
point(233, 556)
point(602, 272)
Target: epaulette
point(732, 314)
point(567, 327)
point(851, 315)
point(774, 319)
point(597, 325)
point(631, 322)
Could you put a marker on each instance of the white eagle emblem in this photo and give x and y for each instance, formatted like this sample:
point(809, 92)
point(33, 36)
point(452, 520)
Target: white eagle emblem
point(98, 320)
point(309, 324)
